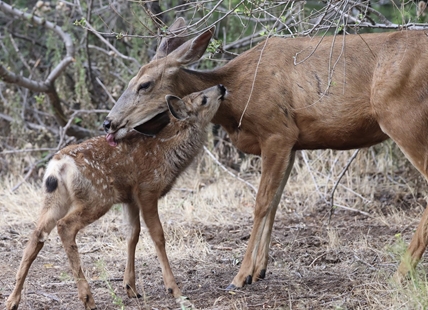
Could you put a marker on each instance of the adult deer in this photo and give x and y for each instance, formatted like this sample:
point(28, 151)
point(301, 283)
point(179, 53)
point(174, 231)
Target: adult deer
point(83, 181)
point(286, 95)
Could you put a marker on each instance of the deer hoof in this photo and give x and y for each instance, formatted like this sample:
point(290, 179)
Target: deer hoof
point(171, 291)
point(90, 303)
point(249, 280)
point(262, 274)
point(131, 292)
point(231, 287)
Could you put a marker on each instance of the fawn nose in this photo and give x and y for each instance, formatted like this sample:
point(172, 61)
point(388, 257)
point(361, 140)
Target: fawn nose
point(107, 124)
point(222, 90)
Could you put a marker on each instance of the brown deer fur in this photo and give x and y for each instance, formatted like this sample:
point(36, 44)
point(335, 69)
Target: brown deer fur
point(339, 92)
point(83, 181)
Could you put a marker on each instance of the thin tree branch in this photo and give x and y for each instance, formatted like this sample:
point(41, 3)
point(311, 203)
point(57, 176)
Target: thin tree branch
point(95, 32)
point(226, 170)
point(337, 183)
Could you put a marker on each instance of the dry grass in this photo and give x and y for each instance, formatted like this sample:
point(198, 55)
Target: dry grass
point(207, 220)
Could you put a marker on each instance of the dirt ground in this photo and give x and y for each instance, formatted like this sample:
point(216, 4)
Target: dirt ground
point(311, 266)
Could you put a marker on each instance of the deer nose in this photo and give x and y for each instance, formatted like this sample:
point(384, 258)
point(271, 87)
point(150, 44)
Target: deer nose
point(107, 124)
point(222, 90)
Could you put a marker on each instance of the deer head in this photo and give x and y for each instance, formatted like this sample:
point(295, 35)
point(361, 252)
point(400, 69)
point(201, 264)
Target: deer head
point(142, 104)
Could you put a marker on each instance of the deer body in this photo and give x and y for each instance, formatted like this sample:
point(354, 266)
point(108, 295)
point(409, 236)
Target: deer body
point(297, 99)
point(286, 95)
point(83, 181)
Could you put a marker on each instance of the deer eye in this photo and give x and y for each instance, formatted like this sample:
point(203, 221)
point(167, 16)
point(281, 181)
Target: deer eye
point(204, 100)
point(143, 86)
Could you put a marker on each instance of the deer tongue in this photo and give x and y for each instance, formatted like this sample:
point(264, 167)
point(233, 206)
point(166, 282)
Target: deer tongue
point(110, 139)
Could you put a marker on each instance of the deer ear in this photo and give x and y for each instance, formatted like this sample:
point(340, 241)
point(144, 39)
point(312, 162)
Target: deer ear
point(176, 38)
point(193, 50)
point(177, 107)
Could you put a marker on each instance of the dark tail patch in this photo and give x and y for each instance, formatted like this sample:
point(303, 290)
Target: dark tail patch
point(51, 184)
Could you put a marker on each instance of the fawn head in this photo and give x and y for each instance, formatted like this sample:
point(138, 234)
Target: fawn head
point(197, 108)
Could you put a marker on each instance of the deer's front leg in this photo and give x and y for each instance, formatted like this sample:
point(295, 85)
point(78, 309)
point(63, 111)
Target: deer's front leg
point(276, 167)
point(263, 253)
point(131, 216)
point(150, 214)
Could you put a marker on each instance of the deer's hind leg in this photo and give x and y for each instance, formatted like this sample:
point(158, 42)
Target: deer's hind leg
point(68, 227)
point(45, 225)
point(408, 126)
point(131, 216)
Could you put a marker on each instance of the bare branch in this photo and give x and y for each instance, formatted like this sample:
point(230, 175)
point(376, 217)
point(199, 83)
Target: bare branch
point(338, 181)
point(226, 170)
point(47, 86)
point(12, 78)
point(98, 34)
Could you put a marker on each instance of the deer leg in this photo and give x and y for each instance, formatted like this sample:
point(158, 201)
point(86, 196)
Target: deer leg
point(276, 167)
point(131, 215)
point(418, 156)
point(45, 225)
point(415, 250)
point(419, 240)
point(407, 127)
point(68, 227)
point(151, 218)
point(263, 253)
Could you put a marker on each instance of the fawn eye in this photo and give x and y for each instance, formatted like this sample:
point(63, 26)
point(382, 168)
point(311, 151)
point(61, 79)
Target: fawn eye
point(143, 86)
point(204, 100)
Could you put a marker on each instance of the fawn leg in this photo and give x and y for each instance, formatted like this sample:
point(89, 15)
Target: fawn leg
point(68, 227)
point(131, 215)
point(151, 218)
point(45, 225)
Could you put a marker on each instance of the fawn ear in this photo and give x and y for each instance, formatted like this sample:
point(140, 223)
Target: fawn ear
point(177, 107)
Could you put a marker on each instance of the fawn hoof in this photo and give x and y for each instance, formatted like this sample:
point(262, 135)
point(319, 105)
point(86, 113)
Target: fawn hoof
point(262, 274)
point(249, 280)
point(171, 291)
point(231, 287)
point(12, 303)
point(12, 306)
